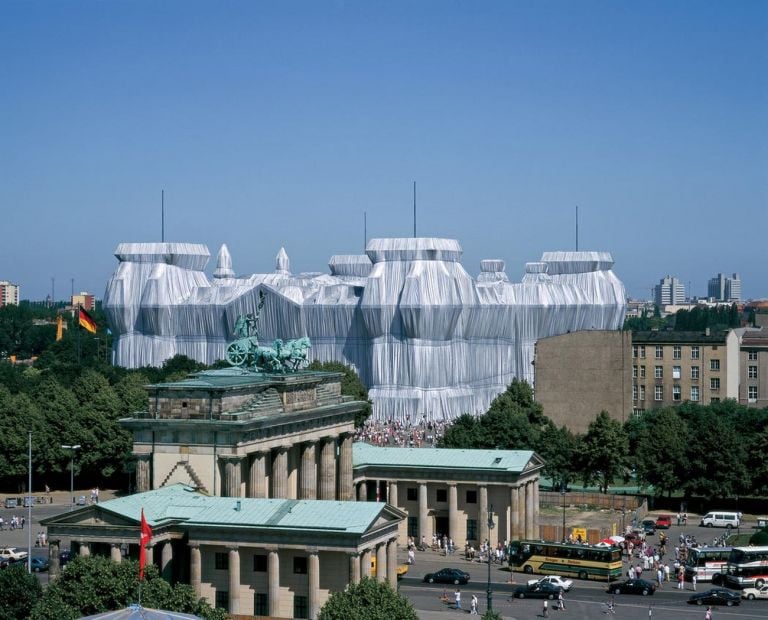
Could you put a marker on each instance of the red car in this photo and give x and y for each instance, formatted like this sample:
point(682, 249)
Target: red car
point(663, 522)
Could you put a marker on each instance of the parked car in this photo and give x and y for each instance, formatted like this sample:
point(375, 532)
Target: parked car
point(447, 575)
point(39, 564)
point(663, 522)
point(716, 596)
point(12, 554)
point(11, 502)
point(556, 580)
point(81, 500)
point(649, 526)
point(633, 586)
point(537, 590)
point(753, 593)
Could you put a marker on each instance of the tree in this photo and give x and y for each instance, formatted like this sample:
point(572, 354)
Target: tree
point(94, 585)
point(350, 386)
point(19, 592)
point(367, 600)
point(558, 447)
point(604, 451)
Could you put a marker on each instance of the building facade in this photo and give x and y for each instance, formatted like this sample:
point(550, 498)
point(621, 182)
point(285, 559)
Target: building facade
point(753, 380)
point(84, 299)
point(580, 374)
point(9, 293)
point(670, 367)
point(722, 288)
point(668, 291)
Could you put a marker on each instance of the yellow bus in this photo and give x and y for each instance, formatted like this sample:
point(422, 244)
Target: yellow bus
point(402, 569)
point(551, 558)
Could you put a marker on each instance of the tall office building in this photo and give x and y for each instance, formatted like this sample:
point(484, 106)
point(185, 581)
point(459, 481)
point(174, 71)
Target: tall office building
point(9, 294)
point(668, 291)
point(84, 299)
point(721, 288)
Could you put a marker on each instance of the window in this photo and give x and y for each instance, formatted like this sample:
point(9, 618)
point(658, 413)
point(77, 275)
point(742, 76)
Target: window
point(471, 497)
point(300, 565)
point(694, 372)
point(222, 600)
point(472, 529)
point(412, 493)
point(442, 495)
point(714, 364)
point(694, 353)
point(676, 372)
point(642, 371)
point(677, 352)
point(714, 383)
point(260, 604)
point(676, 393)
point(752, 356)
point(221, 561)
point(300, 607)
point(695, 393)
point(260, 563)
point(413, 526)
point(642, 392)
point(634, 350)
point(642, 351)
point(658, 393)
point(634, 392)
point(752, 373)
point(634, 371)
point(752, 393)
point(637, 412)
point(658, 372)
point(714, 400)
point(659, 352)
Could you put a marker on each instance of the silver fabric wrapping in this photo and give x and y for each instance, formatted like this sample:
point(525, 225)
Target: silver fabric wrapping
point(425, 337)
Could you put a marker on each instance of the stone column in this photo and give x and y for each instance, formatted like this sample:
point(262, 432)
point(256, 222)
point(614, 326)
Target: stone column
point(143, 474)
point(308, 482)
point(514, 526)
point(521, 509)
point(273, 576)
point(280, 473)
point(528, 510)
point(195, 569)
point(453, 512)
point(234, 580)
point(232, 476)
point(365, 563)
point(257, 479)
point(381, 562)
point(392, 494)
point(85, 550)
point(482, 514)
point(54, 566)
point(354, 568)
point(346, 490)
point(392, 562)
point(116, 555)
point(313, 570)
point(535, 507)
point(166, 561)
point(362, 491)
point(328, 469)
point(150, 554)
point(424, 533)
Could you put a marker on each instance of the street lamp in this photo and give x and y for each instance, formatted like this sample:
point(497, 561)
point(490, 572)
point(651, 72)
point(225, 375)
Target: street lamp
point(491, 525)
point(72, 471)
point(562, 492)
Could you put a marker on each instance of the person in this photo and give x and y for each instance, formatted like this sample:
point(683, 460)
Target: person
point(611, 608)
point(545, 611)
point(457, 598)
point(560, 601)
point(708, 614)
point(680, 578)
point(693, 582)
point(474, 605)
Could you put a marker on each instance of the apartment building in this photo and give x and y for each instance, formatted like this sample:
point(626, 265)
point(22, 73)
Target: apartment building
point(669, 290)
point(723, 288)
point(9, 294)
point(670, 367)
point(753, 379)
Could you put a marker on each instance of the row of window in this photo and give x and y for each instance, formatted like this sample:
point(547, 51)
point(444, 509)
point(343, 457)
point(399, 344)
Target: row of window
point(221, 562)
point(638, 392)
point(413, 528)
point(412, 494)
point(638, 350)
point(261, 603)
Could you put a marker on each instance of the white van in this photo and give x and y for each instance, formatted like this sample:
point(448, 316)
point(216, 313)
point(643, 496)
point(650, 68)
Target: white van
point(720, 518)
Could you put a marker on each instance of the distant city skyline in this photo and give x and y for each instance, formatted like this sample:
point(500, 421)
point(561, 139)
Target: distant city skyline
point(282, 124)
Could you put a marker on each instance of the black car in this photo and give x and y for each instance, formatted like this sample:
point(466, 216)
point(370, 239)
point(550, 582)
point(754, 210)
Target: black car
point(633, 586)
point(716, 596)
point(649, 526)
point(537, 590)
point(447, 575)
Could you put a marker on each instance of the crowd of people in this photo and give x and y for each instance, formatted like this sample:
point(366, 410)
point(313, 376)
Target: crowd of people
point(399, 434)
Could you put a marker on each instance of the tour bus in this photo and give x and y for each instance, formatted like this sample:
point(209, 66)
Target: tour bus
point(706, 563)
point(551, 558)
point(747, 567)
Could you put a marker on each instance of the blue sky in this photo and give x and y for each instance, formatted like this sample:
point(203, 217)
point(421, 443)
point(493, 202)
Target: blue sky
point(280, 124)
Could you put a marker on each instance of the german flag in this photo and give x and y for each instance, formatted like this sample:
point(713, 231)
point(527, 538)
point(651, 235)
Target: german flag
point(86, 321)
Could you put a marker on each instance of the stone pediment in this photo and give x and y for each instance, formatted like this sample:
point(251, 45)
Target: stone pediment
point(536, 462)
point(91, 516)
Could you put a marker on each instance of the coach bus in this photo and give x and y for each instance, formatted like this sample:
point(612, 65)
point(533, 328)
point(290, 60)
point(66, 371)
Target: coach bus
point(707, 563)
point(551, 558)
point(747, 567)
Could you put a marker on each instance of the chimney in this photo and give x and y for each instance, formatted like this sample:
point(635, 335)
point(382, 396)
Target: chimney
point(238, 505)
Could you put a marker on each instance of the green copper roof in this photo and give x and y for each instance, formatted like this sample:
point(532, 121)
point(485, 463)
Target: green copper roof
point(179, 503)
point(514, 461)
point(236, 377)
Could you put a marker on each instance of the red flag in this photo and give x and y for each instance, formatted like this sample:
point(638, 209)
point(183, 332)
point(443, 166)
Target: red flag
point(146, 535)
point(86, 321)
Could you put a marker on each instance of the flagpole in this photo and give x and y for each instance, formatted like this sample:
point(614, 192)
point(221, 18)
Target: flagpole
point(77, 327)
